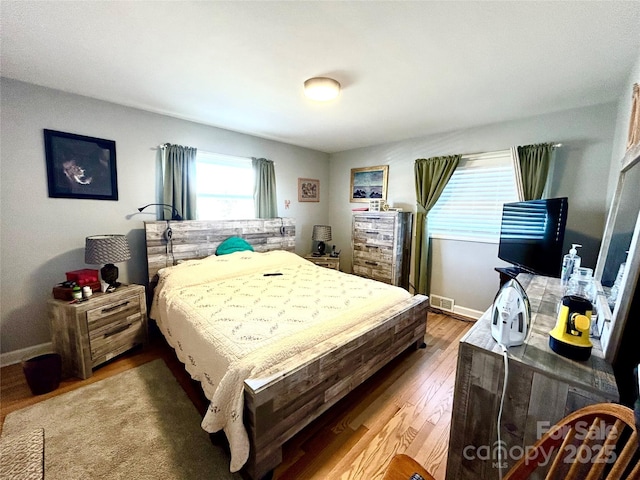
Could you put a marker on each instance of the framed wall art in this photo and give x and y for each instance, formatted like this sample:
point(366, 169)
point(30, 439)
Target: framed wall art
point(308, 190)
point(80, 166)
point(369, 183)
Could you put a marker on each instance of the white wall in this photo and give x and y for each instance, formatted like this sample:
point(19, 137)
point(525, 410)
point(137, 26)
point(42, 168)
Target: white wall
point(622, 127)
point(465, 270)
point(42, 237)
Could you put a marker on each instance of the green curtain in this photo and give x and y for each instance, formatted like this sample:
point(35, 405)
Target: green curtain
point(432, 175)
point(179, 180)
point(534, 167)
point(264, 192)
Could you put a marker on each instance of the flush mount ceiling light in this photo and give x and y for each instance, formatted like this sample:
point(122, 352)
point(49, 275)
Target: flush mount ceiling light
point(321, 89)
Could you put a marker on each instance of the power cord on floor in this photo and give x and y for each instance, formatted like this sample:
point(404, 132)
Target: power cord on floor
point(505, 355)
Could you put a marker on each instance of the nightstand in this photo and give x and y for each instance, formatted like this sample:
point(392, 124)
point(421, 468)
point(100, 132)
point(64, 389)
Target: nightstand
point(90, 333)
point(325, 261)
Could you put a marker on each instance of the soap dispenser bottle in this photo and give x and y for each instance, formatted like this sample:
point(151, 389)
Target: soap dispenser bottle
point(570, 263)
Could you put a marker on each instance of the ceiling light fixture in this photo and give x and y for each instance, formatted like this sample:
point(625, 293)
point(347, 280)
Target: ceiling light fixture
point(321, 89)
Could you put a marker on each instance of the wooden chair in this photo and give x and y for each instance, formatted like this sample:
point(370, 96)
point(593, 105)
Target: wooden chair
point(596, 442)
point(402, 467)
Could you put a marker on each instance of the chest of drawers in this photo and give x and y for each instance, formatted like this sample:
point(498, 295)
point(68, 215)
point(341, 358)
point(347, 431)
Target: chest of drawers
point(381, 243)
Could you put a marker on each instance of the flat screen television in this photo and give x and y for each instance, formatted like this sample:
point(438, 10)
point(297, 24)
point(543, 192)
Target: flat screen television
point(532, 234)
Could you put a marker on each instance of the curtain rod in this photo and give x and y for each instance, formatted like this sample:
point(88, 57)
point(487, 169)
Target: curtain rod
point(165, 145)
point(230, 157)
point(554, 145)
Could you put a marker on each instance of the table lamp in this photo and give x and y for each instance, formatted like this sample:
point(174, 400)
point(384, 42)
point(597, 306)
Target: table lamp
point(107, 249)
point(321, 234)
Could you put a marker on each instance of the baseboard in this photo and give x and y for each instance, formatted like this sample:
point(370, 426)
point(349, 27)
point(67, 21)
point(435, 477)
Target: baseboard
point(467, 312)
point(460, 313)
point(17, 356)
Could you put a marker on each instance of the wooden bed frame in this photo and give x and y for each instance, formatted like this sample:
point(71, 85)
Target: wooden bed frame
point(285, 399)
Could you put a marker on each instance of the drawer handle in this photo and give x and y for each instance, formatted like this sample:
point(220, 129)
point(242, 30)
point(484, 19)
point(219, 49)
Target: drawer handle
point(371, 263)
point(115, 307)
point(117, 330)
point(372, 232)
point(372, 246)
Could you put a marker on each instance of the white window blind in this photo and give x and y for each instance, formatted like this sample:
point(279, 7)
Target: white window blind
point(470, 207)
point(224, 186)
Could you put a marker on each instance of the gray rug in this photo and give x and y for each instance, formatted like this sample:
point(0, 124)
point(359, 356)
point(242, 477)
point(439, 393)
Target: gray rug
point(138, 424)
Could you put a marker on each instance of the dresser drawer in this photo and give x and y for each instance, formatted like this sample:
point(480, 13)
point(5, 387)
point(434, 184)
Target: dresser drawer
point(333, 265)
point(115, 328)
point(373, 253)
point(374, 270)
point(104, 316)
point(379, 223)
point(373, 237)
point(116, 341)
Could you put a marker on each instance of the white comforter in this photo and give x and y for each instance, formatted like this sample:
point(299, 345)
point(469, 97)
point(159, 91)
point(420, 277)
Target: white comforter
point(228, 322)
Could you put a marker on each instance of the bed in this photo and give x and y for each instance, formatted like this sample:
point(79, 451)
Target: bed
point(273, 339)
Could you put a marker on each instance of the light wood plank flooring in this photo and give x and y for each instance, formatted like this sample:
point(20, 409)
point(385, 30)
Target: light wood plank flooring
point(404, 408)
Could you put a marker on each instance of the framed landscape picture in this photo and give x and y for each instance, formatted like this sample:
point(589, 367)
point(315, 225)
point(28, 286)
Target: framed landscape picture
point(308, 190)
point(80, 167)
point(369, 183)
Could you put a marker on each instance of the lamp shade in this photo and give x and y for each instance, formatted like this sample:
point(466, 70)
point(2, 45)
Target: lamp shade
point(321, 89)
point(106, 249)
point(321, 233)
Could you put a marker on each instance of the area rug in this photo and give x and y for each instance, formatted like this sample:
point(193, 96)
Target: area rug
point(138, 424)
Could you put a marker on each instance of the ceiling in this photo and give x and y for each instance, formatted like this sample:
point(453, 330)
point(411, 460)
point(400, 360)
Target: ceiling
point(407, 69)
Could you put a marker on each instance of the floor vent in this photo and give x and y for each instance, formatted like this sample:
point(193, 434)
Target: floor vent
point(443, 303)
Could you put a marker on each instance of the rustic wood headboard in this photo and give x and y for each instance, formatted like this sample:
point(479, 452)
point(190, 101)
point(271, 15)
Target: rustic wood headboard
point(169, 242)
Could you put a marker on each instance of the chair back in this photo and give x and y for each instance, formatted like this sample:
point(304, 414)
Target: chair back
point(596, 442)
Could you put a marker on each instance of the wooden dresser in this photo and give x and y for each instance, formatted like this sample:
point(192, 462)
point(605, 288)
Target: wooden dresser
point(381, 243)
point(542, 388)
point(89, 333)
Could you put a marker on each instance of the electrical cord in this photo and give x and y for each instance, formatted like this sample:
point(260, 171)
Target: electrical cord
point(505, 354)
point(168, 236)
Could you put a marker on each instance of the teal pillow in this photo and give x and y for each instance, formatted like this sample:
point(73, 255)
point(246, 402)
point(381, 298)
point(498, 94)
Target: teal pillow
point(233, 244)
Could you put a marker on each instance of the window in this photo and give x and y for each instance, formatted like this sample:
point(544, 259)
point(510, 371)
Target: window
point(470, 207)
point(224, 186)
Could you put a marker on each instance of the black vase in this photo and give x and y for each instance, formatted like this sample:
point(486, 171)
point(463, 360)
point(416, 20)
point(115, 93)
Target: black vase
point(43, 372)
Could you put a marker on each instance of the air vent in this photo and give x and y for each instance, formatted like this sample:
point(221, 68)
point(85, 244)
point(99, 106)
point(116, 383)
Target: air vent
point(443, 303)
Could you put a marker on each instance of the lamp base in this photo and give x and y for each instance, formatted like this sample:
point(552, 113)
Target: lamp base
point(321, 249)
point(109, 274)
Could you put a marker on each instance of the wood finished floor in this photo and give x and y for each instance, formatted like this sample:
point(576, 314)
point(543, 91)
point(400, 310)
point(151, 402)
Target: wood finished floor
point(404, 408)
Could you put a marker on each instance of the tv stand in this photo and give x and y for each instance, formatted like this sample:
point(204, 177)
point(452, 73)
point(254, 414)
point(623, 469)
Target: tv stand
point(507, 273)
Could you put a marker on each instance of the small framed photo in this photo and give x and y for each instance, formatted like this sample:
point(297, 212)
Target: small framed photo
point(369, 183)
point(308, 190)
point(80, 167)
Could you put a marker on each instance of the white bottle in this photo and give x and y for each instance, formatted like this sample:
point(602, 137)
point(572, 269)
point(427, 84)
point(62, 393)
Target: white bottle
point(615, 289)
point(570, 263)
